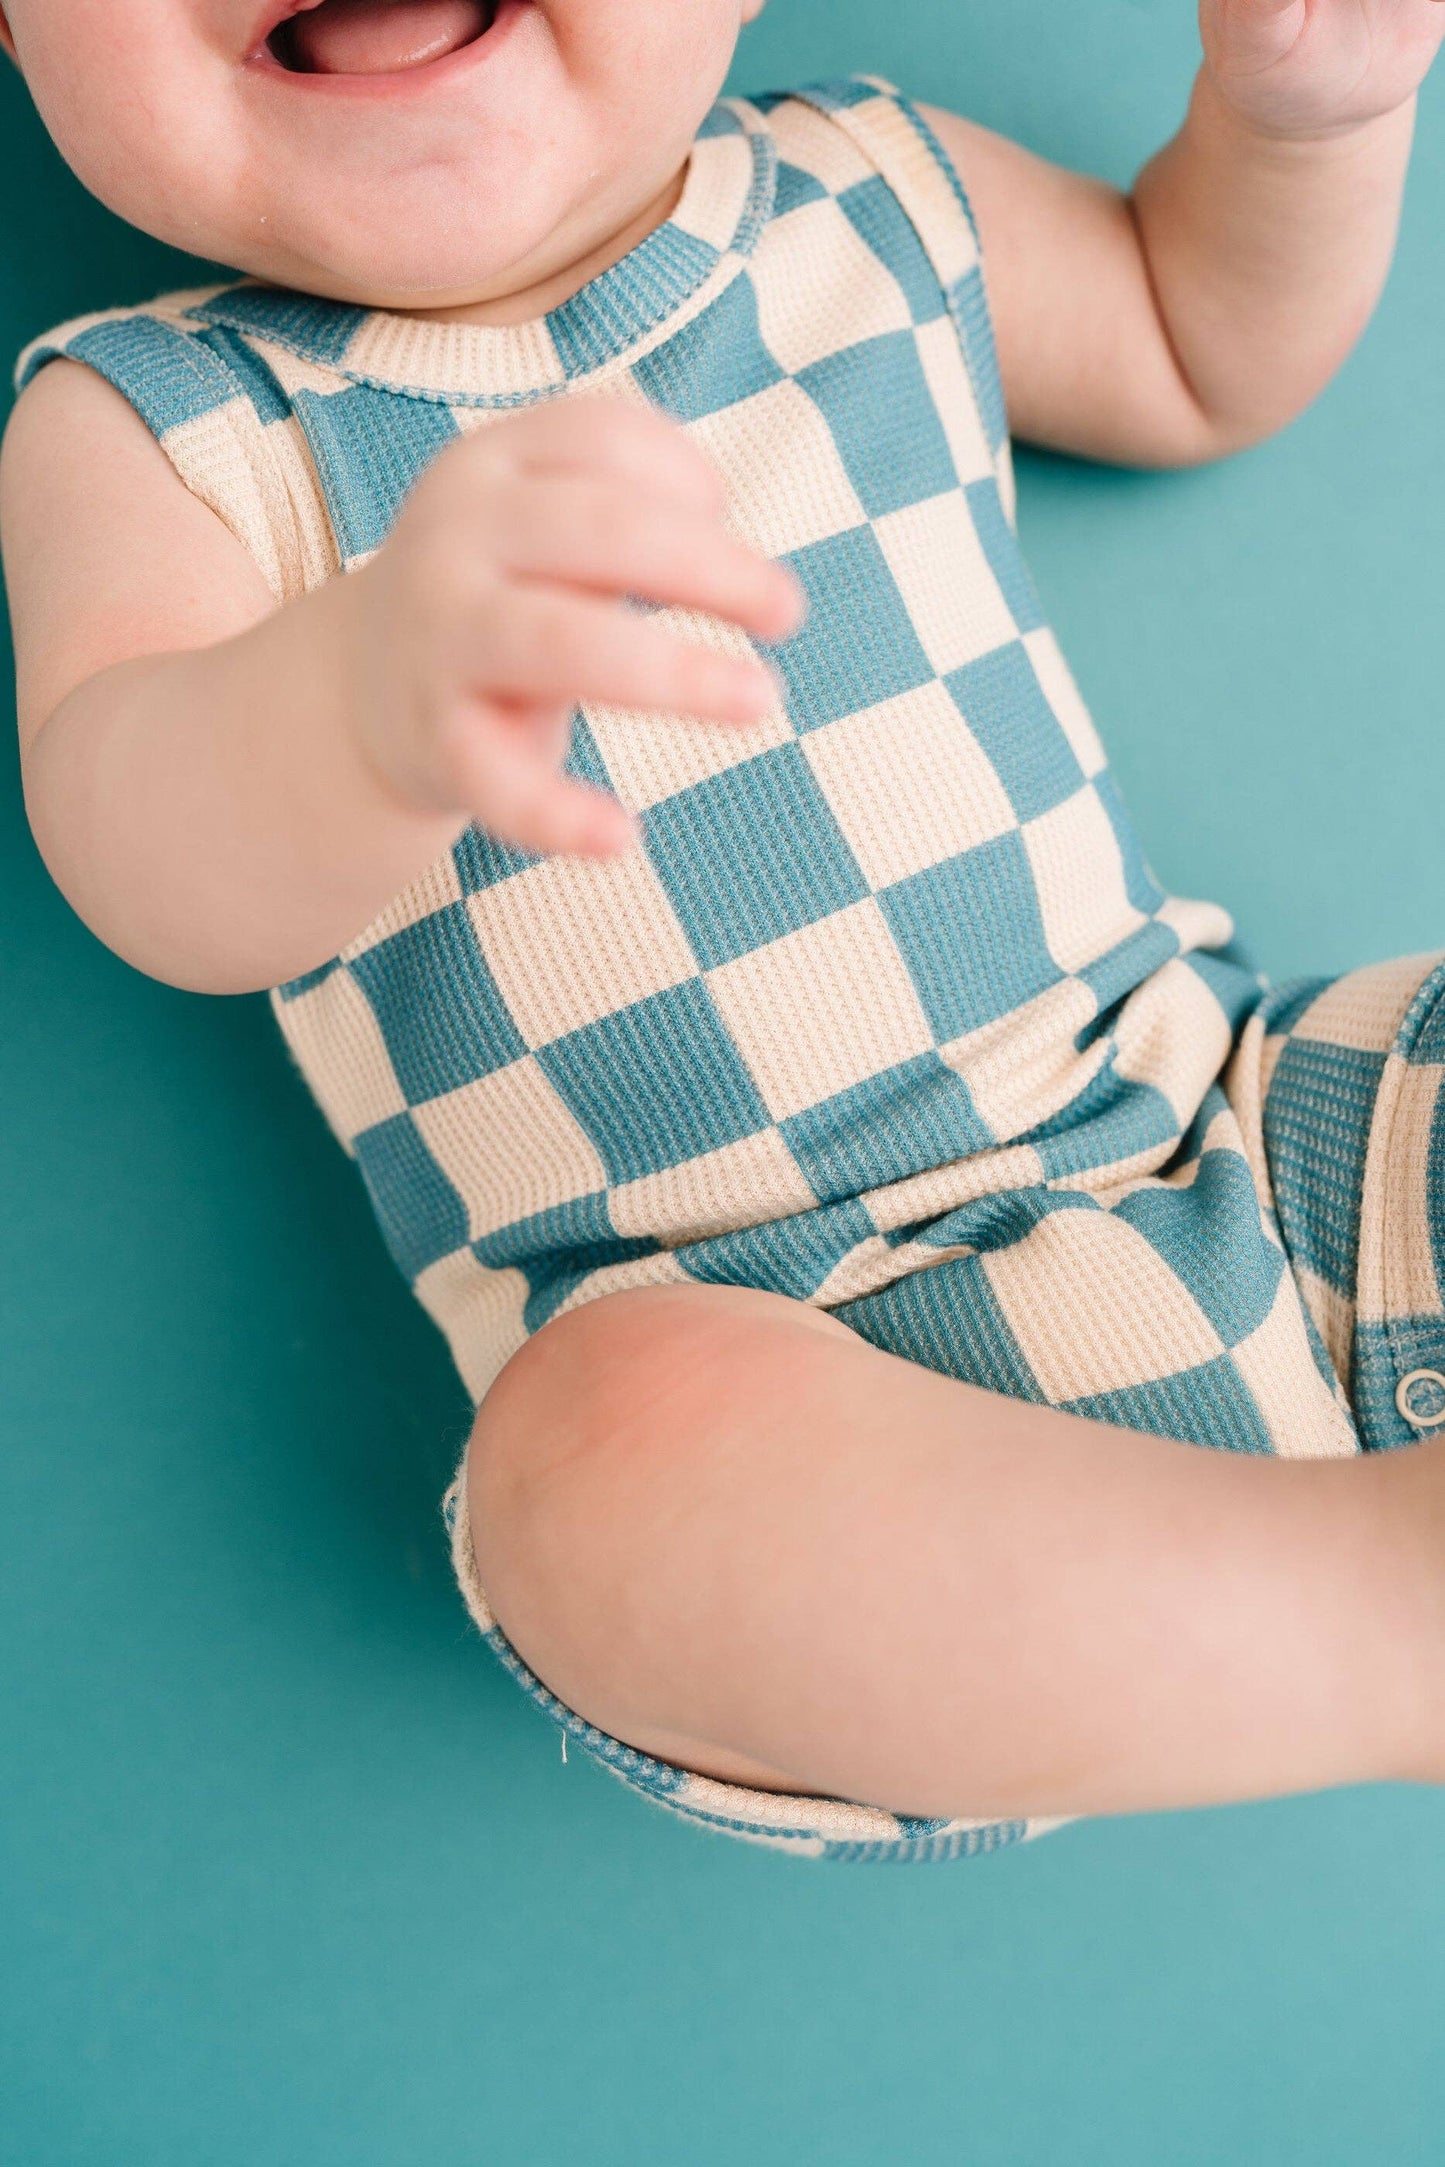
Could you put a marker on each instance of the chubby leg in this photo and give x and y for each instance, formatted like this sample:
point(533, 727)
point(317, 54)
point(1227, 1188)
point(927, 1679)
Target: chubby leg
point(726, 1529)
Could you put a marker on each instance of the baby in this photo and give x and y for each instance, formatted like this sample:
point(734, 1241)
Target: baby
point(554, 621)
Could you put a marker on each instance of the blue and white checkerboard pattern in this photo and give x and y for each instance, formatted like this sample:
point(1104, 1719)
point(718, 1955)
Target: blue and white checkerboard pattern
point(888, 1013)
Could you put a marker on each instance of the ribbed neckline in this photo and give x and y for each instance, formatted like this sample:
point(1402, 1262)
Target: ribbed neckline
point(726, 201)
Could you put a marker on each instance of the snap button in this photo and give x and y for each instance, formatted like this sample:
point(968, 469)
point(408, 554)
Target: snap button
point(1420, 1398)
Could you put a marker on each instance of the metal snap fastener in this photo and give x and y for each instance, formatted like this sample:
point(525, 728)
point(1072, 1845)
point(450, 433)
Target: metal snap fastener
point(1420, 1398)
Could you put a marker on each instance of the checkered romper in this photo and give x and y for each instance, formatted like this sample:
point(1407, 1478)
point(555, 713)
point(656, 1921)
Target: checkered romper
point(888, 1013)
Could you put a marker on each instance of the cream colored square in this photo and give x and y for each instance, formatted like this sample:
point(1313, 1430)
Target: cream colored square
point(1008, 488)
point(956, 604)
point(1173, 1035)
point(480, 1311)
point(820, 287)
point(1066, 700)
point(436, 888)
point(1365, 1008)
point(948, 379)
point(1023, 1067)
point(316, 553)
point(1304, 1419)
point(787, 483)
point(221, 458)
point(941, 1189)
point(1405, 1270)
point(742, 1184)
point(810, 139)
point(871, 1263)
point(1079, 874)
point(821, 1009)
point(573, 939)
point(497, 362)
point(660, 1269)
point(1334, 1316)
point(1383, 1188)
point(294, 373)
point(650, 757)
point(546, 1160)
point(720, 173)
point(1198, 925)
point(913, 170)
point(1095, 1308)
point(908, 783)
point(336, 1040)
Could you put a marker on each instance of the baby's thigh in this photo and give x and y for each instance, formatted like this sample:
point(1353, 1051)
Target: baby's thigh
point(607, 1471)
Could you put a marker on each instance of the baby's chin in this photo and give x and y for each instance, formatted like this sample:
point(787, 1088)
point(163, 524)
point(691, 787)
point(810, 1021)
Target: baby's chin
point(353, 269)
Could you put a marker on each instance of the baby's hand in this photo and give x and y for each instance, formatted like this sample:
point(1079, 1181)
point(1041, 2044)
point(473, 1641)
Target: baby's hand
point(1310, 68)
point(499, 602)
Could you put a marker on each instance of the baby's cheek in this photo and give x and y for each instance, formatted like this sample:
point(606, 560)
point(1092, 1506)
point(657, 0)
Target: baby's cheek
point(135, 101)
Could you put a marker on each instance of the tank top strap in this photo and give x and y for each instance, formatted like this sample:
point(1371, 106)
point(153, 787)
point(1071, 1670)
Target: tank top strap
point(893, 135)
point(218, 413)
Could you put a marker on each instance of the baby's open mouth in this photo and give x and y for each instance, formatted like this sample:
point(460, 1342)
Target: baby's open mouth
point(377, 37)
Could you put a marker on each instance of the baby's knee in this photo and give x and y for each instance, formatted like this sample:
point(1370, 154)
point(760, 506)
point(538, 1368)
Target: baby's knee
point(586, 1453)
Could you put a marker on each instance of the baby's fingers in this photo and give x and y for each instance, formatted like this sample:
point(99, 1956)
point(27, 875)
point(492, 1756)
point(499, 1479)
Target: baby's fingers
point(555, 643)
point(505, 778)
point(635, 447)
point(591, 535)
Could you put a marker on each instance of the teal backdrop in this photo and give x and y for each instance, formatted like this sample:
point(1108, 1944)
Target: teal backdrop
point(292, 1873)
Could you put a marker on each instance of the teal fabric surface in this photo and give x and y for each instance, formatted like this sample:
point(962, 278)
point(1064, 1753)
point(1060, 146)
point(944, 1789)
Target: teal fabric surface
point(289, 1872)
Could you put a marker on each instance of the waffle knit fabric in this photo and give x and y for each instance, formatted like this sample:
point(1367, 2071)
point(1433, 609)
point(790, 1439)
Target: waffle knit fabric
point(889, 1013)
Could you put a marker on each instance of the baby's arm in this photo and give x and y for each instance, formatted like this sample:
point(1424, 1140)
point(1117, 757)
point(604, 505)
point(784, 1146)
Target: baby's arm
point(1207, 308)
point(227, 792)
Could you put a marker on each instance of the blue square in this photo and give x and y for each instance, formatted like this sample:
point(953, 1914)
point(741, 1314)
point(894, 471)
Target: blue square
point(154, 366)
point(291, 989)
point(784, 1256)
point(751, 854)
point(1421, 1036)
point(917, 1115)
point(641, 289)
point(1111, 1119)
point(948, 1318)
point(722, 120)
point(795, 187)
point(1282, 1006)
point(857, 646)
point(839, 93)
point(1236, 986)
point(421, 1215)
point(1116, 973)
point(1208, 1405)
point(250, 372)
point(875, 399)
point(582, 1223)
point(308, 324)
point(968, 305)
point(556, 1250)
point(1003, 703)
point(656, 1084)
point(880, 219)
point(1318, 1114)
point(482, 862)
point(370, 447)
point(715, 361)
point(970, 932)
point(440, 1011)
point(1211, 1237)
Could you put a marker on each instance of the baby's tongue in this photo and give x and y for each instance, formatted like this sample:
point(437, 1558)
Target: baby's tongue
point(376, 37)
